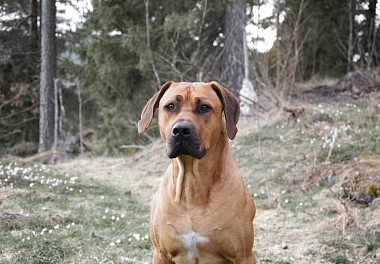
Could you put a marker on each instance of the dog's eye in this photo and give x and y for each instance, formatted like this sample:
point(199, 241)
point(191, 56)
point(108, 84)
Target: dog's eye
point(204, 108)
point(170, 107)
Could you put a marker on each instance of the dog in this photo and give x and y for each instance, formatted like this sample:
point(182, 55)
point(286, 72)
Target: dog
point(202, 211)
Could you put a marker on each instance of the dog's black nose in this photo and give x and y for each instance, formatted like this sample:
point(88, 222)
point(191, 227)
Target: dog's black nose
point(182, 130)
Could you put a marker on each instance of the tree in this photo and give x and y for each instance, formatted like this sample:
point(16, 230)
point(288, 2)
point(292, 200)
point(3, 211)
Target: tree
point(233, 55)
point(48, 73)
point(185, 42)
point(369, 39)
point(19, 70)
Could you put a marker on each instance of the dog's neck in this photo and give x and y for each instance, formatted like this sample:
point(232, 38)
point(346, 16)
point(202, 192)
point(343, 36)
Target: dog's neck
point(193, 179)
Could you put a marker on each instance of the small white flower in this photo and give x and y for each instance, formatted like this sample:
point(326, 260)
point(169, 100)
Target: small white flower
point(102, 197)
point(146, 236)
point(136, 236)
point(56, 227)
point(50, 231)
point(106, 211)
point(122, 215)
point(118, 241)
point(286, 201)
point(112, 244)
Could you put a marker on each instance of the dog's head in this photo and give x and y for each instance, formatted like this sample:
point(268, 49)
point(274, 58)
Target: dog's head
point(190, 116)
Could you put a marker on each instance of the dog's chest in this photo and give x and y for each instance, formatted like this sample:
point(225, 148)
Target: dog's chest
point(193, 240)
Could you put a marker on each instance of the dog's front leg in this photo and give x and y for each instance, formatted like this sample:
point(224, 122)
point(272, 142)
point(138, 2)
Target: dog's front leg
point(159, 258)
point(250, 259)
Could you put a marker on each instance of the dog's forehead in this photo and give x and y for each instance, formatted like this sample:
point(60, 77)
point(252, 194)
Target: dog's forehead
point(189, 91)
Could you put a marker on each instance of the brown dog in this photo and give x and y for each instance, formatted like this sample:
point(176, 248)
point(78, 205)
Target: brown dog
point(202, 211)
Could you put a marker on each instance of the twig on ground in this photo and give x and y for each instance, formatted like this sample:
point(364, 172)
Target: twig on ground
point(114, 239)
point(133, 146)
point(350, 217)
point(262, 159)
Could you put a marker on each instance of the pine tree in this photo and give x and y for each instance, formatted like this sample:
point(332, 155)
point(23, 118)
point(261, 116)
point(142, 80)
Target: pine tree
point(19, 71)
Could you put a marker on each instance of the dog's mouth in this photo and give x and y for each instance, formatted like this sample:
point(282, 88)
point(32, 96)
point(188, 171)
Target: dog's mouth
point(177, 148)
point(184, 140)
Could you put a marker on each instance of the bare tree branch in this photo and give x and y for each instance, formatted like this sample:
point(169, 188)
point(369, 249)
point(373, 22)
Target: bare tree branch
point(146, 2)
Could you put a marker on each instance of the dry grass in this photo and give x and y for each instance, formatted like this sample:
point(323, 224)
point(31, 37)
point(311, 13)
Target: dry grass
point(310, 213)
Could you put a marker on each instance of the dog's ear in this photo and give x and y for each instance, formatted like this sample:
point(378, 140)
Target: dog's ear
point(151, 106)
point(231, 108)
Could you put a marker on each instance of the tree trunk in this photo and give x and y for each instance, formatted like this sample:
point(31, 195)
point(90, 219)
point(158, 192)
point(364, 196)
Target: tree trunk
point(33, 25)
point(80, 118)
point(233, 56)
point(350, 36)
point(278, 52)
point(48, 72)
point(371, 29)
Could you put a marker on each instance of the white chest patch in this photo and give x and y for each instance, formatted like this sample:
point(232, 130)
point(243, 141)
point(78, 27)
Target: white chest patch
point(190, 241)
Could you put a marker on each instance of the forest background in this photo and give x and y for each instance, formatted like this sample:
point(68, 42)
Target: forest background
point(76, 177)
point(121, 52)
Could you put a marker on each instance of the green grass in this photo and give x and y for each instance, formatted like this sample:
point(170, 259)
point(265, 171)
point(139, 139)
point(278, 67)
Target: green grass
point(371, 240)
point(341, 259)
point(48, 217)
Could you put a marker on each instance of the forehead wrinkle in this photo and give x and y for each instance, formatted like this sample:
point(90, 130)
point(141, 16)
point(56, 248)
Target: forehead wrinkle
point(191, 93)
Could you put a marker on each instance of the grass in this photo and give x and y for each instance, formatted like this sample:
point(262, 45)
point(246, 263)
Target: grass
point(372, 241)
point(366, 242)
point(295, 155)
point(48, 217)
point(341, 259)
point(51, 217)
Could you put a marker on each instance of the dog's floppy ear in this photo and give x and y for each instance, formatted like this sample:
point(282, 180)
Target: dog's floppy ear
point(151, 106)
point(231, 108)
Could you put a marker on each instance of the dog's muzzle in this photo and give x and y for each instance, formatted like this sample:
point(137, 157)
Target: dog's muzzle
point(184, 140)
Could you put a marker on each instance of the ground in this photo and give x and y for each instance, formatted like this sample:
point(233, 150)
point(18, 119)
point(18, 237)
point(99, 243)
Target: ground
point(315, 181)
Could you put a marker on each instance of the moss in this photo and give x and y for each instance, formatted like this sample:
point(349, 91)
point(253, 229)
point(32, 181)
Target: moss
point(372, 190)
